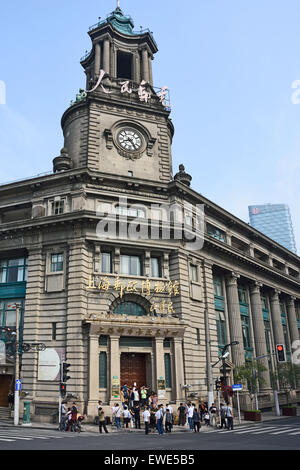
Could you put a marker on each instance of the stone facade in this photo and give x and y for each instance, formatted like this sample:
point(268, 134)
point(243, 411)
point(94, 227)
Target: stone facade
point(240, 284)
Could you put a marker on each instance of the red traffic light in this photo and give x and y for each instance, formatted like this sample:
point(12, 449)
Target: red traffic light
point(280, 353)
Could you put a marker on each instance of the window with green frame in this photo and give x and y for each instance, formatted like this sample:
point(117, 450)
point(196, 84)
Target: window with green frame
point(246, 332)
point(242, 292)
point(168, 370)
point(221, 329)
point(216, 233)
point(13, 270)
point(218, 286)
point(130, 308)
point(102, 369)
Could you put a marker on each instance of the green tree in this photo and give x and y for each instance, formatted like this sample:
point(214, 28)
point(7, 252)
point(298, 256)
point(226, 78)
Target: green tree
point(249, 374)
point(288, 375)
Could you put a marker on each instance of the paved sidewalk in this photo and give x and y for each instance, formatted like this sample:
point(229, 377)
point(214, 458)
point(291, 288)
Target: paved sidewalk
point(89, 427)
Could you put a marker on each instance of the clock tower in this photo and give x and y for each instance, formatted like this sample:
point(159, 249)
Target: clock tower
point(119, 125)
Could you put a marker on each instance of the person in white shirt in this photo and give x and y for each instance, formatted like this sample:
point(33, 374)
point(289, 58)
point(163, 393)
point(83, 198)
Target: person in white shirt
point(117, 413)
point(146, 417)
point(159, 419)
point(126, 416)
point(190, 415)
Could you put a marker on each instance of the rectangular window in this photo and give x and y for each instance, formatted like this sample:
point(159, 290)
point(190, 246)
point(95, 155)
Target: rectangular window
point(130, 212)
point(54, 331)
point(58, 207)
point(57, 262)
point(193, 273)
point(102, 370)
point(13, 270)
point(242, 295)
point(246, 332)
point(218, 287)
point(131, 265)
point(124, 65)
point(106, 264)
point(216, 233)
point(221, 328)
point(168, 371)
point(198, 335)
point(155, 267)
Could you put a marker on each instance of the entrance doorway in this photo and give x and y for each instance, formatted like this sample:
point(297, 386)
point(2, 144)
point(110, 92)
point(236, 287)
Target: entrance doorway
point(5, 384)
point(133, 369)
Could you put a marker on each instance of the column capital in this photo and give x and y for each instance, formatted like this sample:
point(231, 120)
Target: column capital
point(232, 278)
point(255, 287)
point(291, 300)
point(275, 295)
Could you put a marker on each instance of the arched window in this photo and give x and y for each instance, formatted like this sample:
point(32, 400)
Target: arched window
point(130, 308)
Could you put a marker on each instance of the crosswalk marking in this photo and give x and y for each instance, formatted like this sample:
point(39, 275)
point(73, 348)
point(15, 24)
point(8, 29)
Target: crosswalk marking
point(285, 430)
point(6, 440)
point(266, 429)
point(21, 438)
point(294, 433)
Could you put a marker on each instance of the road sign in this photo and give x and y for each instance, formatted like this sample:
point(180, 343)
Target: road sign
point(237, 387)
point(18, 385)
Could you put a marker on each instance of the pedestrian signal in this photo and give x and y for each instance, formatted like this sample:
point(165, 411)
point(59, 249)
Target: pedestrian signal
point(63, 389)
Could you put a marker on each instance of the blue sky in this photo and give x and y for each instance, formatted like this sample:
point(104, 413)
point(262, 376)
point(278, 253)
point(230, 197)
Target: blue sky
point(229, 65)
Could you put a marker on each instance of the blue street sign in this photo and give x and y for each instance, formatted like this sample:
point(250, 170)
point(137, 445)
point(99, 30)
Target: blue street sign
point(237, 387)
point(18, 385)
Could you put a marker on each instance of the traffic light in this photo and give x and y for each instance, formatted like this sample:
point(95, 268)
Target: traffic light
point(65, 370)
point(62, 389)
point(280, 353)
point(218, 384)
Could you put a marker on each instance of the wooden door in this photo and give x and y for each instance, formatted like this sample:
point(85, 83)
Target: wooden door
point(5, 382)
point(133, 369)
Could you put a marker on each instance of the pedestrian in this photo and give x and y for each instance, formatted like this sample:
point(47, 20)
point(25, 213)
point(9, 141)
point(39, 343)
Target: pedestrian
point(144, 398)
point(126, 416)
point(229, 416)
point(153, 418)
point(213, 414)
point(102, 420)
point(146, 417)
point(117, 413)
point(136, 397)
point(159, 420)
point(11, 399)
point(181, 414)
point(168, 421)
point(206, 418)
point(202, 410)
point(223, 413)
point(63, 419)
point(190, 415)
point(197, 424)
point(137, 418)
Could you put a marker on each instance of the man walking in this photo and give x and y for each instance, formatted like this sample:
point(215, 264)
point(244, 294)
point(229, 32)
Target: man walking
point(213, 414)
point(182, 414)
point(190, 414)
point(146, 417)
point(223, 412)
point(117, 412)
point(137, 419)
point(102, 423)
point(159, 420)
point(229, 416)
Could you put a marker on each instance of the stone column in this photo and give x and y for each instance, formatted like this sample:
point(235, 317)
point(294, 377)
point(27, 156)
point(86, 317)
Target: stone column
point(114, 361)
point(150, 70)
point(159, 359)
point(97, 59)
point(292, 319)
point(106, 56)
point(276, 317)
point(178, 375)
point(93, 374)
point(259, 332)
point(145, 65)
point(234, 317)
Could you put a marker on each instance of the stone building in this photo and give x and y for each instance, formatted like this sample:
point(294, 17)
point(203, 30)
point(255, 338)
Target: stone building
point(114, 266)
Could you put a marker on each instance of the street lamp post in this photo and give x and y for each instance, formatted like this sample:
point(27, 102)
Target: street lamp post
point(233, 343)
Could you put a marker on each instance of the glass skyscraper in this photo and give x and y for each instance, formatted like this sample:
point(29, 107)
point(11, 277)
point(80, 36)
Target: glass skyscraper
point(274, 220)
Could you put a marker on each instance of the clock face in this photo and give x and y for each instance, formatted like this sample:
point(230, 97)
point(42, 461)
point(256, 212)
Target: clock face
point(130, 140)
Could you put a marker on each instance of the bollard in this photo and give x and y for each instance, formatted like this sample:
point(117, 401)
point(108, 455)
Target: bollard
point(26, 415)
